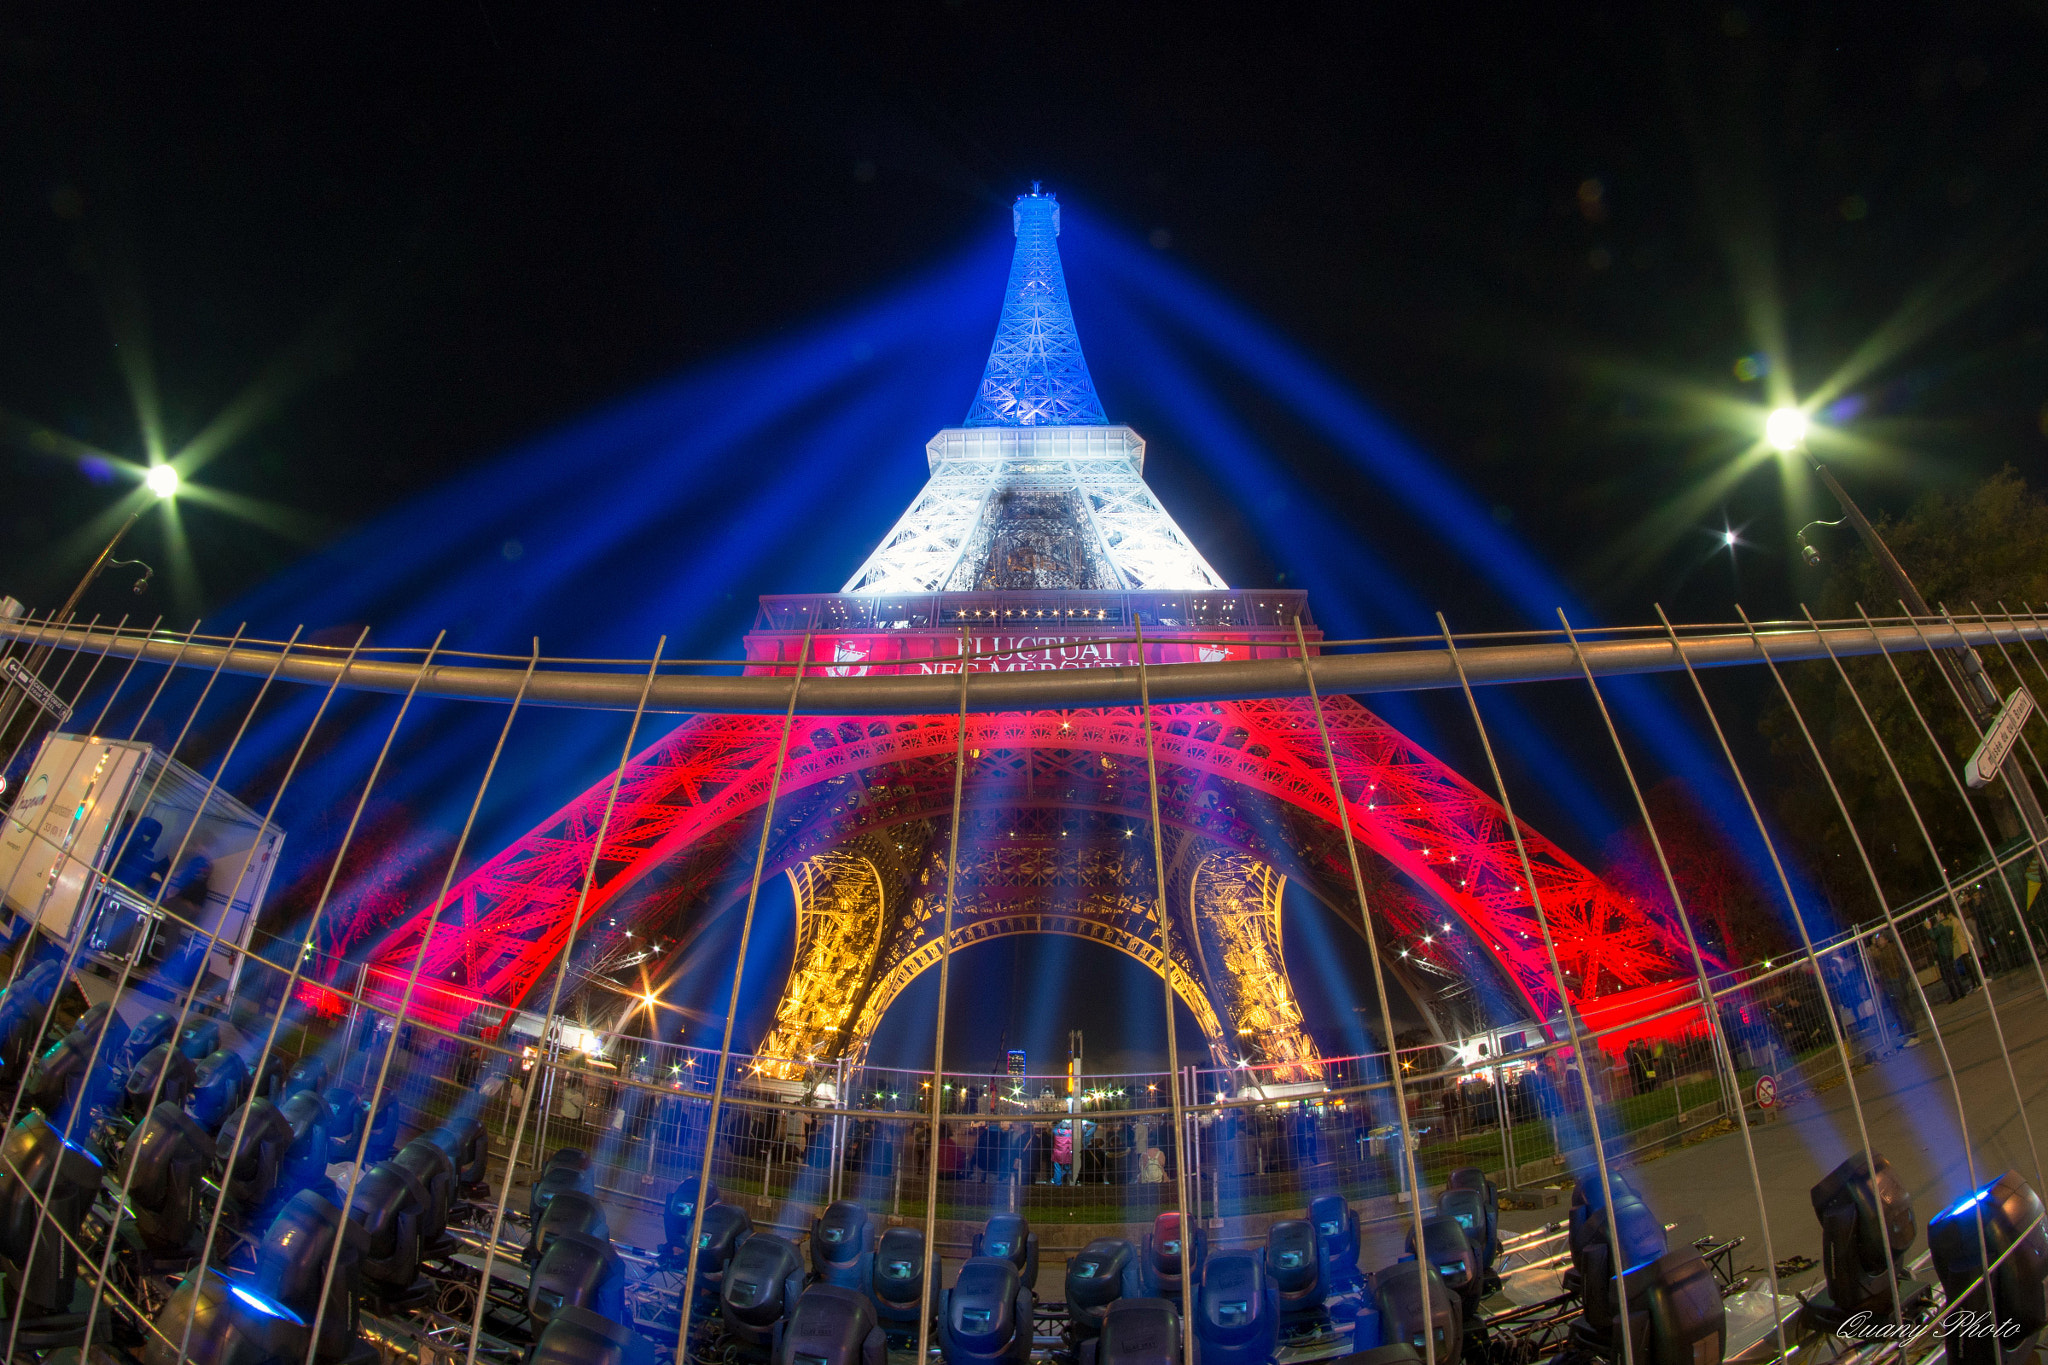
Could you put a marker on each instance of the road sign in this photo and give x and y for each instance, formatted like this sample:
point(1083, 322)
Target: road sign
point(1999, 739)
point(1766, 1091)
point(37, 693)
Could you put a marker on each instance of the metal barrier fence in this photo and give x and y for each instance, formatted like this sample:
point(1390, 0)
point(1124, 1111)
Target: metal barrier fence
point(1573, 1093)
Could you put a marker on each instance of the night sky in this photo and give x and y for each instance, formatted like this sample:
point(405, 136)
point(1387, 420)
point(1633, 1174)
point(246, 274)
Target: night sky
point(1568, 254)
point(1533, 241)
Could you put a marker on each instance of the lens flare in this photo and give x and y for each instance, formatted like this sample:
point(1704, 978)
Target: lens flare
point(162, 480)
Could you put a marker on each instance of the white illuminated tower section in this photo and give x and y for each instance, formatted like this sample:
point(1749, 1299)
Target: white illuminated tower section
point(1037, 489)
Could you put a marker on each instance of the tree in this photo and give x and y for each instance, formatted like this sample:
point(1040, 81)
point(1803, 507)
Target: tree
point(1965, 553)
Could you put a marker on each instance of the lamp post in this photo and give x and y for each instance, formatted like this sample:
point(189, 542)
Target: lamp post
point(161, 480)
point(1786, 430)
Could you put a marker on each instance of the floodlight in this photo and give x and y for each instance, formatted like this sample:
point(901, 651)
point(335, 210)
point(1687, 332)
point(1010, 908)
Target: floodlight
point(839, 1245)
point(1137, 1332)
point(162, 480)
point(579, 1270)
point(904, 1282)
point(310, 1074)
point(985, 1318)
point(760, 1289)
point(832, 1325)
point(1236, 1319)
point(1786, 428)
point(2002, 1220)
point(1009, 1236)
point(1104, 1272)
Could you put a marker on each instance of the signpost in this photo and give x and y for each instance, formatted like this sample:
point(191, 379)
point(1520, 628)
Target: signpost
point(1999, 739)
point(42, 696)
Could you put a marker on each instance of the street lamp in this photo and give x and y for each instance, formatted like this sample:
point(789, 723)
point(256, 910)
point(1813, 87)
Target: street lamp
point(1786, 429)
point(162, 480)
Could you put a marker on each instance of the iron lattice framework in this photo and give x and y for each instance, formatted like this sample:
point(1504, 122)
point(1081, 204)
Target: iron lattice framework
point(1037, 517)
point(1036, 375)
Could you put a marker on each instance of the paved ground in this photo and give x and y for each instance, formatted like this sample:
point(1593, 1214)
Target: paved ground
point(1910, 1109)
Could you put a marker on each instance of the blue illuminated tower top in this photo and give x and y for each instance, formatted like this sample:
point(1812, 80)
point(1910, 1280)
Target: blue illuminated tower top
point(1036, 375)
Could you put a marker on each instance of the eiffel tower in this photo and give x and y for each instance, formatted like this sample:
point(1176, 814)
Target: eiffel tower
point(1035, 540)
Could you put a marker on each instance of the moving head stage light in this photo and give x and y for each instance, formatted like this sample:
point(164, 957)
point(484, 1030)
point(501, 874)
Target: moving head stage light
point(292, 1266)
point(839, 1246)
point(1105, 1272)
point(390, 1204)
point(1337, 1227)
point(210, 1320)
point(569, 1212)
point(1398, 1315)
point(1009, 1236)
point(581, 1270)
point(1237, 1318)
point(985, 1318)
point(430, 1165)
point(568, 1169)
point(759, 1291)
point(1864, 1210)
point(171, 1155)
point(2002, 1220)
point(905, 1281)
point(832, 1325)
point(1136, 1332)
point(726, 1229)
point(38, 1165)
point(220, 1083)
point(1294, 1263)
point(57, 1083)
point(178, 1074)
point(254, 1159)
point(468, 1147)
point(1164, 1255)
point(679, 1215)
point(577, 1336)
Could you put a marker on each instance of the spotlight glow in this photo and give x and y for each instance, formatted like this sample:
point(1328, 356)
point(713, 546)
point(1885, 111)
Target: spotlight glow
point(1785, 428)
point(162, 480)
point(1728, 538)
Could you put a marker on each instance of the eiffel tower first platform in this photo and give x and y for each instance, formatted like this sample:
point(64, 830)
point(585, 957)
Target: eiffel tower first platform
point(1037, 545)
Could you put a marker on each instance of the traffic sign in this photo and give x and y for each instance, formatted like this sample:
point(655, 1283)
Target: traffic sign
point(1766, 1091)
point(37, 693)
point(1999, 739)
